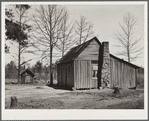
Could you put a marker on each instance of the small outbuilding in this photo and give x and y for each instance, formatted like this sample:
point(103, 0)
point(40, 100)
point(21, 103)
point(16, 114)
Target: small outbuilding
point(90, 65)
point(27, 77)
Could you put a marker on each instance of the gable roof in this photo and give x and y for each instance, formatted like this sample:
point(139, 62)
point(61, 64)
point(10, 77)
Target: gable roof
point(73, 53)
point(123, 61)
point(29, 72)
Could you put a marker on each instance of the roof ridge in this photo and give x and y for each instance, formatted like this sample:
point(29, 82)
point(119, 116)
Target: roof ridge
point(124, 61)
point(75, 51)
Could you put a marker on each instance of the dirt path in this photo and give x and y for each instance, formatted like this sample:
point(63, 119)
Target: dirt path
point(43, 97)
point(33, 91)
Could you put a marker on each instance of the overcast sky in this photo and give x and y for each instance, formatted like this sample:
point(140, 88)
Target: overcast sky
point(106, 19)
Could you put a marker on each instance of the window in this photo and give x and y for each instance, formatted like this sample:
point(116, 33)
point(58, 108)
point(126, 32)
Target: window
point(94, 73)
point(94, 70)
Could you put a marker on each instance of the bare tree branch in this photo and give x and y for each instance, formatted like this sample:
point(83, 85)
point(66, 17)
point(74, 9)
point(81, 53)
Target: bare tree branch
point(47, 21)
point(65, 35)
point(125, 38)
point(84, 30)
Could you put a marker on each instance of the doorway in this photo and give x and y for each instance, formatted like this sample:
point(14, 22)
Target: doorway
point(66, 75)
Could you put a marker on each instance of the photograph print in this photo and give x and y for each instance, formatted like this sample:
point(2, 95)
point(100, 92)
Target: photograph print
point(74, 55)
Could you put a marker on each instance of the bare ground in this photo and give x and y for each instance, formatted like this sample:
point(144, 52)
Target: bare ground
point(44, 97)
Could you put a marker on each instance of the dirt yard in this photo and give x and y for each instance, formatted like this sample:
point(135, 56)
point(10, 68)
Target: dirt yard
point(44, 97)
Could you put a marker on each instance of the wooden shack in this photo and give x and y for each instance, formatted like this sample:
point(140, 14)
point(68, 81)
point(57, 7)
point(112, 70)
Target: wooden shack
point(27, 77)
point(123, 73)
point(90, 65)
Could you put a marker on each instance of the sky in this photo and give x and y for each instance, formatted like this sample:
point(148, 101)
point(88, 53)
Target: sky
point(106, 19)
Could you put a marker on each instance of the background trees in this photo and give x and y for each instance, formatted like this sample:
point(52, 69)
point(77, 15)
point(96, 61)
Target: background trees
point(39, 67)
point(17, 30)
point(126, 38)
point(8, 17)
point(65, 39)
point(11, 70)
point(84, 29)
point(48, 20)
point(52, 30)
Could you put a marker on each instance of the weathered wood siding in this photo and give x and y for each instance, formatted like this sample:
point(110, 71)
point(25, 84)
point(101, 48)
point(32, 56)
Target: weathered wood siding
point(83, 75)
point(26, 78)
point(91, 52)
point(65, 74)
point(122, 75)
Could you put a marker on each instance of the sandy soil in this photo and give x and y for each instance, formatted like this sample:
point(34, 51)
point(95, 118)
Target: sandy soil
point(33, 91)
point(44, 97)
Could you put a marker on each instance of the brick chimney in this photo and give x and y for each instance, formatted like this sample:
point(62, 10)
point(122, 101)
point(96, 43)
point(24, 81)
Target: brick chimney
point(105, 68)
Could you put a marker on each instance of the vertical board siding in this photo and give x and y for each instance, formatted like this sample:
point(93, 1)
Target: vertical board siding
point(122, 75)
point(75, 73)
point(78, 73)
point(91, 52)
point(83, 75)
point(86, 74)
point(79, 66)
point(72, 74)
point(65, 78)
point(90, 73)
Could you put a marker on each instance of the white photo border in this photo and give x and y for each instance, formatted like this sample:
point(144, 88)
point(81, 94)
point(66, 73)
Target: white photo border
point(62, 114)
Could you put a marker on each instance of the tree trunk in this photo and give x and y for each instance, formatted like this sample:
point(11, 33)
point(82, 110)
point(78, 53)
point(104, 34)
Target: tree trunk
point(128, 53)
point(51, 68)
point(116, 90)
point(51, 50)
point(80, 38)
point(63, 51)
point(40, 75)
point(19, 54)
point(62, 54)
point(14, 102)
point(19, 64)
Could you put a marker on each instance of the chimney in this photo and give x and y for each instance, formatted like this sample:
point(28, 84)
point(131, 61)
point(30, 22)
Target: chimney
point(105, 68)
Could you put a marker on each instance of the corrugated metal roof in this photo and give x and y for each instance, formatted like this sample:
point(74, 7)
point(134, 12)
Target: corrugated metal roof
point(73, 53)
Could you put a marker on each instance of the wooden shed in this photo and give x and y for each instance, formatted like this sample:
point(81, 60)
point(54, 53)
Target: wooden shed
point(90, 65)
point(27, 77)
point(123, 73)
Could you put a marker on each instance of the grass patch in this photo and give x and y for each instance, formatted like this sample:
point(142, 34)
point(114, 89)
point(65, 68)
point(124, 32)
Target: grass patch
point(41, 97)
point(137, 104)
point(10, 81)
point(39, 104)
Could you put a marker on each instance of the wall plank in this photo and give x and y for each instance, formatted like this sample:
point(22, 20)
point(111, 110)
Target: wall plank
point(63, 79)
point(83, 77)
point(122, 74)
point(91, 52)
